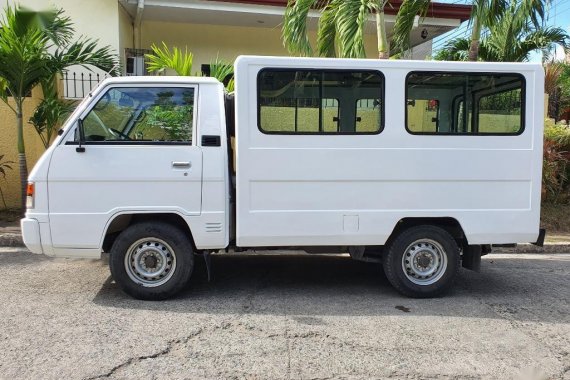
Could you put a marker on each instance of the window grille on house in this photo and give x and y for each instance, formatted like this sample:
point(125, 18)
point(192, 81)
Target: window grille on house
point(136, 62)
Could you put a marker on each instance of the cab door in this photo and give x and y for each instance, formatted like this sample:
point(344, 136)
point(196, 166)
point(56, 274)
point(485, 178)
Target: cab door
point(138, 153)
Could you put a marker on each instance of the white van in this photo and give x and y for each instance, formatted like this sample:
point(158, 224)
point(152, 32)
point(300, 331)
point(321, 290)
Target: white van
point(420, 165)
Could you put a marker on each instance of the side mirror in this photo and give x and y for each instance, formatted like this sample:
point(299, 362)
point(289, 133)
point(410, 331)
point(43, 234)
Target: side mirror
point(80, 148)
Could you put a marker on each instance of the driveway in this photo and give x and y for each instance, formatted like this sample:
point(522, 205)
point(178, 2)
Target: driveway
point(285, 317)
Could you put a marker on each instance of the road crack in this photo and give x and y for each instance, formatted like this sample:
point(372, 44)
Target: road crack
point(169, 347)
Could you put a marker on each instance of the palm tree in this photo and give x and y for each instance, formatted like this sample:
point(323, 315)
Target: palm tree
point(487, 14)
point(484, 13)
point(51, 111)
point(341, 27)
point(518, 30)
point(500, 46)
point(35, 46)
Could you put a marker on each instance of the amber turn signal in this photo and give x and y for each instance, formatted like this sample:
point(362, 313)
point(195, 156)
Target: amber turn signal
point(30, 195)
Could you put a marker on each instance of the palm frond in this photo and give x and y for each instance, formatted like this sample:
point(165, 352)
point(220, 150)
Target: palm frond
point(541, 39)
point(85, 52)
point(487, 12)
point(230, 87)
point(224, 72)
point(404, 24)
point(294, 31)
point(530, 10)
point(350, 21)
point(52, 23)
point(175, 59)
point(552, 72)
point(454, 50)
point(326, 34)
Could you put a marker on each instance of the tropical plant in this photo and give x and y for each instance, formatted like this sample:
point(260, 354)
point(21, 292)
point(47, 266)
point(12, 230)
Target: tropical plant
point(341, 26)
point(516, 31)
point(563, 95)
point(35, 46)
point(49, 114)
point(224, 72)
point(163, 58)
point(409, 10)
point(560, 134)
point(554, 172)
point(4, 166)
point(556, 163)
point(180, 61)
point(484, 13)
point(220, 69)
point(553, 72)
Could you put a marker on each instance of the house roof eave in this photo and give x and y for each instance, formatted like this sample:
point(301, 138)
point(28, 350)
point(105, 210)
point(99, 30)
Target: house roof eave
point(460, 12)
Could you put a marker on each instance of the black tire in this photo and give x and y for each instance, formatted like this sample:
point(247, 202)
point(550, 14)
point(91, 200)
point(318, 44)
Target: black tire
point(427, 243)
point(159, 246)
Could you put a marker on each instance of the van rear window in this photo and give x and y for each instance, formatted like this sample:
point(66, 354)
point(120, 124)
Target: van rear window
point(465, 103)
point(300, 101)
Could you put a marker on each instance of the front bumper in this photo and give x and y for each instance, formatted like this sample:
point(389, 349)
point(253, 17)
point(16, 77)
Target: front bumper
point(31, 235)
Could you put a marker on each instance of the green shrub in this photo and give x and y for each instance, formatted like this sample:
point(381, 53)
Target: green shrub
point(556, 163)
point(558, 133)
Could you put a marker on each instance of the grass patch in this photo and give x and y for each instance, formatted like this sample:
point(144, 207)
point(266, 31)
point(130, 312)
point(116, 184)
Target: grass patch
point(555, 218)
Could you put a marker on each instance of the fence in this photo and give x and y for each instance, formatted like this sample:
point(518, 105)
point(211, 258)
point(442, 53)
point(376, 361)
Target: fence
point(78, 85)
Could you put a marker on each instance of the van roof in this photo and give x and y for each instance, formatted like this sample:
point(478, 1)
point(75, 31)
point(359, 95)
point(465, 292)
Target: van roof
point(160, 79)
point(349, 63)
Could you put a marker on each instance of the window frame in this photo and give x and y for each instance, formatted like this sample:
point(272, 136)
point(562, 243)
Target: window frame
point(382, 92)
point(104, 91)
point(356, 115)
point(437, 110)
point(475, 112)
point(478, 103)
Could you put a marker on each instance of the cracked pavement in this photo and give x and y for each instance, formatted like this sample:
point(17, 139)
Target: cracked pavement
point(285, 317)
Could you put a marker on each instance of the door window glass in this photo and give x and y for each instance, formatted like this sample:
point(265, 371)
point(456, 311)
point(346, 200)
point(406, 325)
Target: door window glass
point(143, 114)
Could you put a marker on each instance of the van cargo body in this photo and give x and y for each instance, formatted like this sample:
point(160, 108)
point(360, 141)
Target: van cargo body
point(420, 165)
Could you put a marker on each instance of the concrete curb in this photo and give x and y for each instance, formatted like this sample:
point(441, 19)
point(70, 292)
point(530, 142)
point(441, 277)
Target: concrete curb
point(15, 240)
point(530, 248)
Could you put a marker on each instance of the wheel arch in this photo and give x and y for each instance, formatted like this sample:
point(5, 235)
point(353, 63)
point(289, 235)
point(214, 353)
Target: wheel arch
point(450, 224)
point(119, 222)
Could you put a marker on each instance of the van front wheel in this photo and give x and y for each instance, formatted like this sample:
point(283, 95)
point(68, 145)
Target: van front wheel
point(151, 261)
point(422, 261)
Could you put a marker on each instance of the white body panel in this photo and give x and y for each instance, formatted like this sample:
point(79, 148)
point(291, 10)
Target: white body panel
point(88, 190)
point(353, 189)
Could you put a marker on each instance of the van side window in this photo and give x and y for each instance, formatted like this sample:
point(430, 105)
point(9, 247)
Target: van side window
point(143, 114)
point(459, 103)
point(299, 101)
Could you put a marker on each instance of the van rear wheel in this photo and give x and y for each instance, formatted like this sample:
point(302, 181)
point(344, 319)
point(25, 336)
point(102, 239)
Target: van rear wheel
point(422, 261)
point(151, 261)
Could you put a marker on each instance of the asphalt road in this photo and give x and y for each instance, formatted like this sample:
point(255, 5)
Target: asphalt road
point(285, 317)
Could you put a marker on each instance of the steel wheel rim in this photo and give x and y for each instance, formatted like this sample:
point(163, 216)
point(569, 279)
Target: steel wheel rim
point(424, 262)
point(150, 262)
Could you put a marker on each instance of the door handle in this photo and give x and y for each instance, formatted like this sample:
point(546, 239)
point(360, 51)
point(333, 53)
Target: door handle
point(181, 164)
